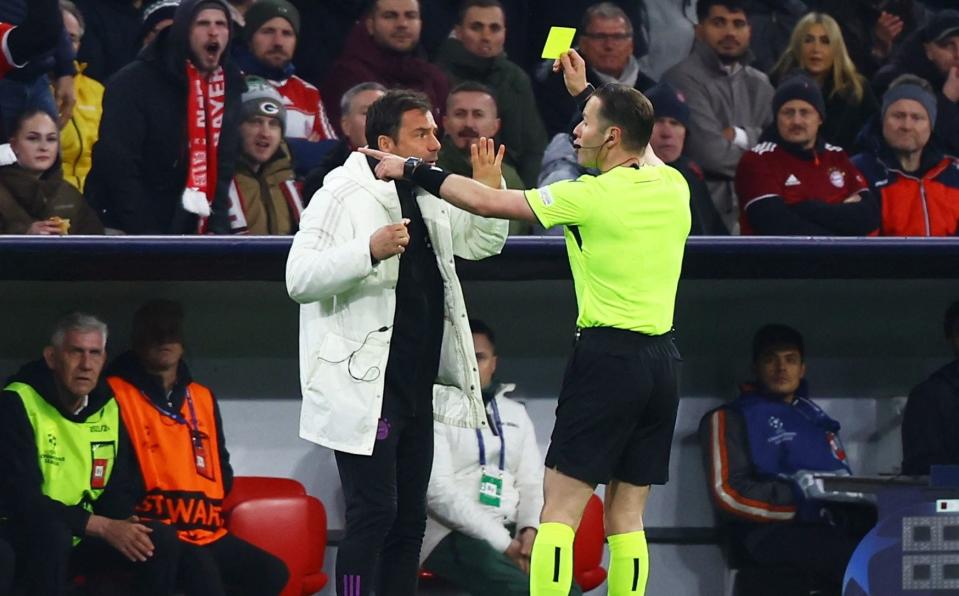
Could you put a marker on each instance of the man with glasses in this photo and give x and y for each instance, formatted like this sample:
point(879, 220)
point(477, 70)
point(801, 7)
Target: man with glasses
point(606, 43)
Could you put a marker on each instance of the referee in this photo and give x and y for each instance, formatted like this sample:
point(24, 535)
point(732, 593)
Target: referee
point(625, 233)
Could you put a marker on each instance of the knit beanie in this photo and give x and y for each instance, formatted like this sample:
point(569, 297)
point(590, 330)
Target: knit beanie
point(264, 10)
point(799, 87)
point(914, 92)
point(262, 99)
point(668, 102)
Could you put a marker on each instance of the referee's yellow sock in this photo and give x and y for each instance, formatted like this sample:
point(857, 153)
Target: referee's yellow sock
point(551, 564)
point(628, 564)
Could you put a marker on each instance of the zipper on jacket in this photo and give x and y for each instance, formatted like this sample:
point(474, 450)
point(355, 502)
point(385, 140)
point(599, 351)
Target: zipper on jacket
point(76, 162)
point(925, 207)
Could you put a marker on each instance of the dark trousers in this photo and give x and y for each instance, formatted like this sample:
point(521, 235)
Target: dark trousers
point(47, 558)
point(232, 566)
point(7, 566)
point(385, 497)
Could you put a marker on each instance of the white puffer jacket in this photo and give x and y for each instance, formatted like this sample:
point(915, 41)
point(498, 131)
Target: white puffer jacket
point(348, 305)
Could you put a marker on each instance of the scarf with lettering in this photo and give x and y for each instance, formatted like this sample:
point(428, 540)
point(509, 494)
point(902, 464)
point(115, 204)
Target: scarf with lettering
point(206, 99)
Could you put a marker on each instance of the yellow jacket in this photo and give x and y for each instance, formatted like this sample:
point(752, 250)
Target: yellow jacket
point(80, 133)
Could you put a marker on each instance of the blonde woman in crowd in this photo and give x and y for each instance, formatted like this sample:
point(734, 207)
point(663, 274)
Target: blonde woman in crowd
point(818, 49)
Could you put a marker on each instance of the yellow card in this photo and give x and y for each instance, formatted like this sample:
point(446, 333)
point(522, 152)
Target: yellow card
point(559, 40)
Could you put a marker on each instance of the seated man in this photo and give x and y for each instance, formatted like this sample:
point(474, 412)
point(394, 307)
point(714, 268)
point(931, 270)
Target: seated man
point(271, 32)
point(759, 453)
point(916, 183)
point(484, 510)
point(264, 199)
point(184, 468)
point(64, 447)
point(932, 412)
point(353, 106)
point(793, 183)
point(668, 141)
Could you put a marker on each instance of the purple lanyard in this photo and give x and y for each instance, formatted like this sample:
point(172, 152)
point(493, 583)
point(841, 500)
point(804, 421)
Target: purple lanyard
point(498, 428)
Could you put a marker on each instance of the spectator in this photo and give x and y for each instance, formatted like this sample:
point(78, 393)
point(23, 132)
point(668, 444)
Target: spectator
point(444, 15)
point(391, 314)
point(933, 54)
point(177, 465)
point(156, 168)
point(729, 101)
point(674, 34)
point(932, 411)
point(382, 48)
point(481, 540)
point(353, 107)
point(113, 35)
point(817, 49)
point(472, 111)
point(793, 183)
point(667, 141)
point(29, 86)
point(916, 183)
point(78, 137)
point(264, 196)
point(760, 452)
point(64, 448)
point(606, 43)
point(874, 30)
point(36, 34)
point(271, 33)
point(34, 198)
point(156, 17)
point(475, 53)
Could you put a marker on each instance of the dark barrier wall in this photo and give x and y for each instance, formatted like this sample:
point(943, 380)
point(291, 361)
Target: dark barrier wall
point(870, 309)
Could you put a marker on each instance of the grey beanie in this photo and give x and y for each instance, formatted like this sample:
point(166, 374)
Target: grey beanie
point(262, 99)
point(913, 92)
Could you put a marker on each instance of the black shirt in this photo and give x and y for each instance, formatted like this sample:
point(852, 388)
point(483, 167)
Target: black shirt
point(418, 321)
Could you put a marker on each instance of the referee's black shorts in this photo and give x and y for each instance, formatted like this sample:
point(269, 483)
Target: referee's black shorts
point(617, 408)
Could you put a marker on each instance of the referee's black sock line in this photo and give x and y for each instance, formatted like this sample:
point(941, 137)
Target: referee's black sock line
point(557, 552)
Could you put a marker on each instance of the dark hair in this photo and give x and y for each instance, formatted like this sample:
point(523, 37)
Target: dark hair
point(480, 328)
point(468, 4)
point(624, 106)
point(371, 7)
point(30, 113)
point(950, 323)
point(156, 322)
point(703, 7)
point(777, 336)
point(604, 10)
point(386, 113)
point(473, 87)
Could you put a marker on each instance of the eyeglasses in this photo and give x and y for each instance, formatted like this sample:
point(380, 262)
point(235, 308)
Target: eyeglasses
point(617, 37)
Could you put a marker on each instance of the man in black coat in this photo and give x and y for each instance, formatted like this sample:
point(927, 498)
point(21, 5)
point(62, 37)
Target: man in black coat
point(932, 412)
point(156, 168)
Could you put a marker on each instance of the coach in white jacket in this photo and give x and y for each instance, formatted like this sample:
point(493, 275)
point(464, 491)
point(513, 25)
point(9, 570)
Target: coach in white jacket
point(385, 344)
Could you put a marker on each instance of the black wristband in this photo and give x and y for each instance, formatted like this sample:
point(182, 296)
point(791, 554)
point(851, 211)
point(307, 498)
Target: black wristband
point(584, 96)
point(429, 178)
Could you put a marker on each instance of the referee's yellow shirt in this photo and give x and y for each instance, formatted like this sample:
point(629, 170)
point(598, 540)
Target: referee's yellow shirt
point(625, 234)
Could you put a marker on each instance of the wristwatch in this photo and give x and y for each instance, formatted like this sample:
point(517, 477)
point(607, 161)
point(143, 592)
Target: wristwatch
point(410, 166)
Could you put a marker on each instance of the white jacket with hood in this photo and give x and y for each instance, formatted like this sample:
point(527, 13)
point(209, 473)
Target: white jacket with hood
point(347, 306)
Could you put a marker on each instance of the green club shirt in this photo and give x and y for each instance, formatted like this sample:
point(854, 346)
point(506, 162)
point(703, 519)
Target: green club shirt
point(625, 234)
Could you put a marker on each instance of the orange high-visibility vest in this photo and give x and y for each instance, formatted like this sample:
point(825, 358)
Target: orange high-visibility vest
point(167, 449)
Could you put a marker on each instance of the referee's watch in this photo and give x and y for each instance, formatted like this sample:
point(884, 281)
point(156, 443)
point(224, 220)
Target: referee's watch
point(410, 166)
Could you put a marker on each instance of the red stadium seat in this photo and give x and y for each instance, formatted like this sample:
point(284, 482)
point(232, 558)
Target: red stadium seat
point(256, 487)
point(290, 526)
point(588, 547)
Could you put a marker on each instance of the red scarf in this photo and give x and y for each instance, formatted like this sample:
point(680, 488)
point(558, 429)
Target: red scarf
point(205, 105)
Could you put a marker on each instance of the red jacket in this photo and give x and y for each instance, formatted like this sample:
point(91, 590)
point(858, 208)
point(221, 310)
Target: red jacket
point(924, 203)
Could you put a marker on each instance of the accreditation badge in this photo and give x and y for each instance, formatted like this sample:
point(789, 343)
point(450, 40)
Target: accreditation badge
point(103, 454)
point(201, 455)
point(491, 487)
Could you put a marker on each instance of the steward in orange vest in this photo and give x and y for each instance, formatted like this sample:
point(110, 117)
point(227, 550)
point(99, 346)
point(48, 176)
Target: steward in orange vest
point(184, 471)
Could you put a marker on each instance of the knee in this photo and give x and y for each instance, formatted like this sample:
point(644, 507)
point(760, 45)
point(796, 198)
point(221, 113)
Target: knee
point(275, 574)
point(377, 518)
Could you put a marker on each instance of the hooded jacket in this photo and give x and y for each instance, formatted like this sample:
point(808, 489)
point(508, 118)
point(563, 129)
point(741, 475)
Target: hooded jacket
point(140, 162)
point(522, 129)
point(920, 203)
point(21, 497)
point(719, 99)
point(348, 306)
point(25, 198)
point(80, 134)
point(362, 60)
